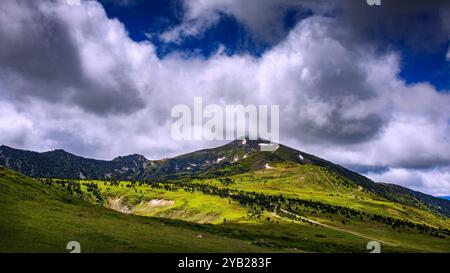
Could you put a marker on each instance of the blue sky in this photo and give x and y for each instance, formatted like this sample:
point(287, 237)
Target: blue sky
point(155, 17)
point(426, 66)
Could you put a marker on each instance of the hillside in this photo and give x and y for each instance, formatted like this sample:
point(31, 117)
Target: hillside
point(38, 218)
point(234, 158)
point(43, 215)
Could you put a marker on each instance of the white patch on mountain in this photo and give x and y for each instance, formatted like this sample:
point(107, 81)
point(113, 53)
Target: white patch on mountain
point(268, 147)
point(220, 159)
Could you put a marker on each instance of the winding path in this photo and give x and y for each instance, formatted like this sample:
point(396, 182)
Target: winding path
point(335, 228)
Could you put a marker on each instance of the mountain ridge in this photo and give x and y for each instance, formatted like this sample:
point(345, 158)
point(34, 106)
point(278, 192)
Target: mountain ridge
point(62, 164)
point(238, 156)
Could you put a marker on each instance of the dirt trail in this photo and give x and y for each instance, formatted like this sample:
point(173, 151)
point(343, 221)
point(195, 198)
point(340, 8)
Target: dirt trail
point(336, 228)
point(116, 204)
point(357, 190)
point(161, 203)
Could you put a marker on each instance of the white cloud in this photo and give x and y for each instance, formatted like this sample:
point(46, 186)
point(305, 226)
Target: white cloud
point(14, 127)
point(100, 94)
point(433, 181)
point(266, 21)
point(263, 18)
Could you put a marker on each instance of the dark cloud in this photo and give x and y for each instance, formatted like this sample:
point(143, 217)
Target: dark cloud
point(341, 85)
point(38, 48)
point(269, 21)
point(39, 58)
point(339, 130)
point(71, 142)
point(329, 97)
point(423, 161)
point(421, 25)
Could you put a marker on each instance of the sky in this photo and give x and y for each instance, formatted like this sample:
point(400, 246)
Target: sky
point(362, 86)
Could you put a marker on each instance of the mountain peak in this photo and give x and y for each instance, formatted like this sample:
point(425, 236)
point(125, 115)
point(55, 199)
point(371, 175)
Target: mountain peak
point(132, 157)
point(59, 152)
point(247, 142)
point(4, 147)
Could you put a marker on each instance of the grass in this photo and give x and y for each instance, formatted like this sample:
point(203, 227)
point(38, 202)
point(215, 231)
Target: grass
point(316, 183)
point(188, 206)
point(39, 218)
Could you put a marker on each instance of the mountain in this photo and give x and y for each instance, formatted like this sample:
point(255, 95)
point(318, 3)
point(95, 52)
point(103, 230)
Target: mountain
point(265, 198)
point(202, 161)
point(242, 156)
point(235, 158)
point(61, 164)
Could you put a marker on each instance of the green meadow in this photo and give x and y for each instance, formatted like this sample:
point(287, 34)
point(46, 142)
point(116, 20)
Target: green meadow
point(38, 218)
point(123, 216)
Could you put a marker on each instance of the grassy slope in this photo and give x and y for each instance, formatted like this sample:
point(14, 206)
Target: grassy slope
point(316, 183)
point(189, 206)
point(280, 232)
point(36, 218)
